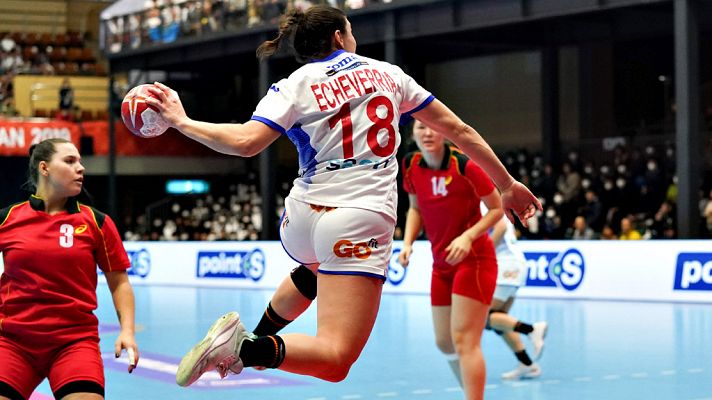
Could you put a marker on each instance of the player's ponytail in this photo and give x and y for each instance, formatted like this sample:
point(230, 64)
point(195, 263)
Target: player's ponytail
point(307, 33)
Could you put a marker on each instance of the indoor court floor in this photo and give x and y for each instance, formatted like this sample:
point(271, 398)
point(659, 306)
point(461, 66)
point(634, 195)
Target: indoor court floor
point(594, 350)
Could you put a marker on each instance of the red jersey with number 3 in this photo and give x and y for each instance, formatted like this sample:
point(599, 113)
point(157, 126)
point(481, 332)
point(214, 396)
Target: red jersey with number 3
point(48, 288)
point(448, 197)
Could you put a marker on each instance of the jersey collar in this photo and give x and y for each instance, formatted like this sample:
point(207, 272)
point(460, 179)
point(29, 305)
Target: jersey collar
point(38, 204)
point(329, 57)
point(445, 163)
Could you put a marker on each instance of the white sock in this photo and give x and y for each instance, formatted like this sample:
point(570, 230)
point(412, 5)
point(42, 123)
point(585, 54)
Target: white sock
point(454, 361)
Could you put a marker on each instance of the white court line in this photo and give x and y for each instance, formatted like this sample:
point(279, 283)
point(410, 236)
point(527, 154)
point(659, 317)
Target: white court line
point(695, 370)
point(422, 391)
point(639, 375)
point(611, 377)
point(351, 396)
point(457, 388)
point(317, 398)
point(387, 394)
point(551, 381)
point(583, 379)
point(668, 372)
point(491, 386)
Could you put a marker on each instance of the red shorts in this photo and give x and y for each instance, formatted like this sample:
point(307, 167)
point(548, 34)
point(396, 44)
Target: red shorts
point(24, 369)
point(475, 277)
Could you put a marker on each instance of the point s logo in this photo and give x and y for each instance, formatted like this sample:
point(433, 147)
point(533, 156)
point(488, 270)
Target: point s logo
point(564, 270)
point(231, 264)
point(396, 272)
point(347, 249)
point(693, 271)
point(140, 263)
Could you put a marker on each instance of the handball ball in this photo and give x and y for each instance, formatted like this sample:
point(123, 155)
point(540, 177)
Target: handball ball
point(142, 120)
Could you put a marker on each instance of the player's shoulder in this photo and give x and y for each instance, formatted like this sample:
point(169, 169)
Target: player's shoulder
point(461, 161)
point(411, 159)
point(94, 214)
point(5, 212)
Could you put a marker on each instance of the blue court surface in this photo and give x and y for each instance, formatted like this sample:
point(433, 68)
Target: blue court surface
point(594, 350)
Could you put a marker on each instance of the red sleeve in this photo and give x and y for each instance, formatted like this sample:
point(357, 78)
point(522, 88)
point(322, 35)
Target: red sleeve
point(482, 182)
point(110, 252)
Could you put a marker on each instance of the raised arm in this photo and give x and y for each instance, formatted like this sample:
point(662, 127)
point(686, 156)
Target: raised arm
point(516, 198)
point(244, 140)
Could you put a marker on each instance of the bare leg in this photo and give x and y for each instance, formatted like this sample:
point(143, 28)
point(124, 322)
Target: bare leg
point(469, 317)
point(288, 301)
point(347, 306)
point(443, 338)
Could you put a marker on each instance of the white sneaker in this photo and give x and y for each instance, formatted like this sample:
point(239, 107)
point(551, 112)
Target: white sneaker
point(523, 372)
point(219, 350)
point(537, 338)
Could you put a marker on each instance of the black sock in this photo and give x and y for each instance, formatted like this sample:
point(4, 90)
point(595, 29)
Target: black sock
point(523, 357)
point(265, 351)
point(271, 323)
point(523, 327)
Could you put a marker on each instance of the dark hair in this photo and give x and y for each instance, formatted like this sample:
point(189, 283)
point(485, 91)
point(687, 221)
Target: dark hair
point(42, 151)
point(308, 33)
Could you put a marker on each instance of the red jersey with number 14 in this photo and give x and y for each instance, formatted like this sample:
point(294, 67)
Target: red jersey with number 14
point(48, 288)
point(448, 197)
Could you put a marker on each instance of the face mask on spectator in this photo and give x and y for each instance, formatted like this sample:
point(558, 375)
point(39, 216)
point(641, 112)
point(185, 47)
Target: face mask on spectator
point(605, 169)
point(621, 169)
point(652, 166)
point(588, 170)
point(620, 182)
point(535, 173)
point(585, 183)
point(608, 185)
point(550, 213)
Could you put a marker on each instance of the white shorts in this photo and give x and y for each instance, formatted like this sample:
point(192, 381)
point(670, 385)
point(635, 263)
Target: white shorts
point(343, 240)
point(504, 292)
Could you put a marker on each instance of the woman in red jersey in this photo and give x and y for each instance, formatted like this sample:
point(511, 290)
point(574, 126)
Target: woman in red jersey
point(445, 189)
point(51, 245)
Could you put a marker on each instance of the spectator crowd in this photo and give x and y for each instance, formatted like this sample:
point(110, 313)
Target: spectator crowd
point(165, 21)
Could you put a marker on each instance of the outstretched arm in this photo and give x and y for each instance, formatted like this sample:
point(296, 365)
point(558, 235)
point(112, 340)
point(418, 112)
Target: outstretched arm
point(244, 140)
point(516, 198)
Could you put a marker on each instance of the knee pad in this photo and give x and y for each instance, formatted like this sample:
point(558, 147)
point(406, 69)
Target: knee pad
point(305, 281)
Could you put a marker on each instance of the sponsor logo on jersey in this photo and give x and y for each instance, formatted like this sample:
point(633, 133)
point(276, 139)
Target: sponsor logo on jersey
point(343, 163)
point(693, 271)
point(346, 64)
point(231, 264)
point(565, 270)
point(140, 262)
point(360, 250)
point(80, 229)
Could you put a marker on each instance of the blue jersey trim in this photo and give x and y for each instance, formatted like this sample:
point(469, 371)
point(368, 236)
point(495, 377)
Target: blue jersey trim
point(329, 57)
point(307, 154)
point(407, 117)
point(270, 123)
point(358, 273)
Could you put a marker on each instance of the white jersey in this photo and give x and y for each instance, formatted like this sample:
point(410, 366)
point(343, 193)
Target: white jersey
point(511, 264)
point(342, 113)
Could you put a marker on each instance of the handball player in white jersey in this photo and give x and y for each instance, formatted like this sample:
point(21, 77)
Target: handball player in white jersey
point(511, 275)
point(341, 110)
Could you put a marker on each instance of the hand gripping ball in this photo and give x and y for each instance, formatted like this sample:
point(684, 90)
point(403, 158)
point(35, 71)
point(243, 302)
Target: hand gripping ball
point(142, 120)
